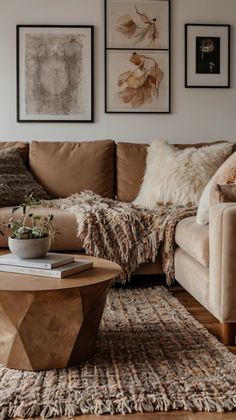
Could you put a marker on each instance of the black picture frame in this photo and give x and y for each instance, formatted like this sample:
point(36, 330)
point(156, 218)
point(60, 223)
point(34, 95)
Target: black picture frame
point(207, 55)
point(119, 53)
point(55, 73)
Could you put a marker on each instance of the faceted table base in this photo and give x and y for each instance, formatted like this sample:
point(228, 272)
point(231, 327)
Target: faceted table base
point(50, 328)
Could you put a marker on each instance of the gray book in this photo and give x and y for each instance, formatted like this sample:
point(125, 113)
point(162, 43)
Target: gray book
point(58, 272)
point(51, 260)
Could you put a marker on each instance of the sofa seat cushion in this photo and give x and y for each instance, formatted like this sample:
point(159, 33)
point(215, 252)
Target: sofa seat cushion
point(193, 239)
point(65, 168)
point(64, 222)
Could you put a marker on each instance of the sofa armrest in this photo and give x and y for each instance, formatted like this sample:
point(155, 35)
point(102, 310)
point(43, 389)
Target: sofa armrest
point(222, 271)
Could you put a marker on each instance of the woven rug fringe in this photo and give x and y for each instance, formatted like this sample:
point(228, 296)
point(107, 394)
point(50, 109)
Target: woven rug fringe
point(124, 405)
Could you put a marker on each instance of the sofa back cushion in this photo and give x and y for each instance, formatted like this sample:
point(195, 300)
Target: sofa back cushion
point(65, 168)
point(130, 167)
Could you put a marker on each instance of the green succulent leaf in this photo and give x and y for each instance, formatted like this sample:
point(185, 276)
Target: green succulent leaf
point(15, 209)
point(30, 225)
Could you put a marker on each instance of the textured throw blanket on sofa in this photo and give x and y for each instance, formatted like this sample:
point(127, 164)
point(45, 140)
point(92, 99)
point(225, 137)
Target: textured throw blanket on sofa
point(124, 233)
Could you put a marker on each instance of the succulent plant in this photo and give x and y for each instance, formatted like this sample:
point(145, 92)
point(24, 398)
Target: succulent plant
point(30, 225)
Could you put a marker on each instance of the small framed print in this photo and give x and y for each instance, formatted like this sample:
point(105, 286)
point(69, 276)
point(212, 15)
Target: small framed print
point(207, 55)
point(137, 81)
point(54, 73)
point(137, 24)
point(137, 56)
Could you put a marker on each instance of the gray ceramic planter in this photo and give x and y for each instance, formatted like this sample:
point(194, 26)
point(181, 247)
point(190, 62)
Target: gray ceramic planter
point(29, 248)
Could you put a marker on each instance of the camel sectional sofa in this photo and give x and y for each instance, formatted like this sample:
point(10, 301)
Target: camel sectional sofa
point(205, 260)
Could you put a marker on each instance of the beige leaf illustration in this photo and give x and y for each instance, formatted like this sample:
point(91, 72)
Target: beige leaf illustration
point(126, 26)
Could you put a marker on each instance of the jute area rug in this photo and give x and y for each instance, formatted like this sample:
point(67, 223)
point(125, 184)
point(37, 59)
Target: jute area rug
point(151, 355)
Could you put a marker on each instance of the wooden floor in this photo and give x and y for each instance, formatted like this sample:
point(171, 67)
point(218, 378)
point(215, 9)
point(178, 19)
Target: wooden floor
point(171, 415)
point(200, 313)
point(211, 323)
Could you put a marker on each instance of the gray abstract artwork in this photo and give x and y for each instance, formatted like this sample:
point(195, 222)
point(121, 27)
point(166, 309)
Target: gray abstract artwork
point(54, 74)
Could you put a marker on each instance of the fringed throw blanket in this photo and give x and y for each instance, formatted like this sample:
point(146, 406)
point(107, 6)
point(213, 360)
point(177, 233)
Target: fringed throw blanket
point(124, 233)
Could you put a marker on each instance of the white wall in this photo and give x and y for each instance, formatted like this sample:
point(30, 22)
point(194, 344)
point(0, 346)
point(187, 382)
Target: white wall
point(197, 114)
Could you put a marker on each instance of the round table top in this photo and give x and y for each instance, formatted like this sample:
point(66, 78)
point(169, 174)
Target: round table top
point(103, 270)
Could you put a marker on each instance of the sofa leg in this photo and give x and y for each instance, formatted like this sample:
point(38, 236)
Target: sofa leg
point(228, 334)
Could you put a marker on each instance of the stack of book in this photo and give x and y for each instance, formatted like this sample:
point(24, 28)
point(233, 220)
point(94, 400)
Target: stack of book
point(52, 265)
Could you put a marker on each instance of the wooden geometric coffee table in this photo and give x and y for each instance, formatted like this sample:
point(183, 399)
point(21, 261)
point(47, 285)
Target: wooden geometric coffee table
point(50, 323)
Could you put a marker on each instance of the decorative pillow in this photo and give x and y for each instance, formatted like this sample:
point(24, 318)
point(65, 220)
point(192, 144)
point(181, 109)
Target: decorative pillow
point(211, 193)
point(227, 193)
point(231, 176)
point(22, 147)
point(176, 176)
point(15, 179)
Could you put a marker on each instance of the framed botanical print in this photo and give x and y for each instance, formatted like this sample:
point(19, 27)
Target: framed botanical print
point(137, 56)
point(127, 87)
point(54, 73)
point(137, 24)
point(207, 55)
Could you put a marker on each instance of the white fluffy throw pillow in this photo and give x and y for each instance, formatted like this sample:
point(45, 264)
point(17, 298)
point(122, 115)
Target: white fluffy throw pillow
point(177, 176)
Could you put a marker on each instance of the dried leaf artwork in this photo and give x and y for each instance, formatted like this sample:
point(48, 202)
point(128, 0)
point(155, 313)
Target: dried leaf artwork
point(145, 27)
point(137, 42)
point(54, 74)
point(140, 85)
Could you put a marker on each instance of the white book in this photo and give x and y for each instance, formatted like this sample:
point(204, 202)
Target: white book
point(51, 260)
point(59, 272)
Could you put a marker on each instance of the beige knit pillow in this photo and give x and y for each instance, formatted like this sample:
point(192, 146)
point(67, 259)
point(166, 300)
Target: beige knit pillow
point(227, 193)
point(231, 176)
point(212, 194)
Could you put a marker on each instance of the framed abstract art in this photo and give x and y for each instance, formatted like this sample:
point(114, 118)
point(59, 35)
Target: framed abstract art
point(54, 73)
point(137, 56)
point(207, 55)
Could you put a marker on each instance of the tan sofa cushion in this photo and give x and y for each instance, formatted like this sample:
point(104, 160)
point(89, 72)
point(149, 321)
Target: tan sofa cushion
point(64, 222)
point(64, 168)
point(130, 167)
point(193, 239)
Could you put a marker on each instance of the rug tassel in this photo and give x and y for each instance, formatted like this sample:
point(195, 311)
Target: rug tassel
point(99, 407)
point(70, 410)
point(33, 410)
point(49, 411)
point(123, 406)
point(84, 408)
point(4, 415)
